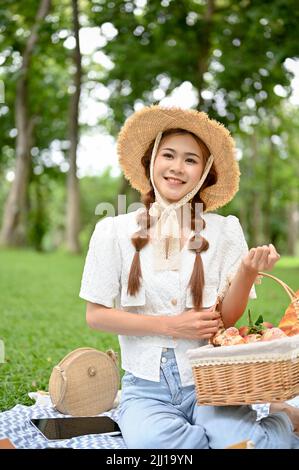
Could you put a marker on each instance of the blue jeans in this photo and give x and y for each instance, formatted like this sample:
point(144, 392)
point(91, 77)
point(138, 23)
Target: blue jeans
point(164, 415)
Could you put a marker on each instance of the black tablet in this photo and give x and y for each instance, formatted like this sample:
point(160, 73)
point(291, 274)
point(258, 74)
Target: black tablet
point(66, 428)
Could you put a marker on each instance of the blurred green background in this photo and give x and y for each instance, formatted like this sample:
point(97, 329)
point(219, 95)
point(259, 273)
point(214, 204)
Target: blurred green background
point(71, 72)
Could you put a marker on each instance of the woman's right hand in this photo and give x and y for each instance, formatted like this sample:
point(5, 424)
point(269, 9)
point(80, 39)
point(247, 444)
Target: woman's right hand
point(195, 324)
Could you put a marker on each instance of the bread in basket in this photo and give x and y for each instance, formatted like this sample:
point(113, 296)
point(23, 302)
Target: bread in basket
point(248, 373)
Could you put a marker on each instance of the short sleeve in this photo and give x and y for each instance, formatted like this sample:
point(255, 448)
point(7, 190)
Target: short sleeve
point(101, 275)
point(233, 248)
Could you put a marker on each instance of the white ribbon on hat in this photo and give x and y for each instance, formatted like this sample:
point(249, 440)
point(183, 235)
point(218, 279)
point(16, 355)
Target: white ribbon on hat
point(167, 226)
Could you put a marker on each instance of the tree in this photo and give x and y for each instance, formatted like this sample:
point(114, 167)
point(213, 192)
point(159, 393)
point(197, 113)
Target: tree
point(232, 50)
point(268, 197)
point(14, 220)
point(73, 196)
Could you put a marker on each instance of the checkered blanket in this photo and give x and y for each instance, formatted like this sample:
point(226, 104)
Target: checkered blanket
point(15, 425)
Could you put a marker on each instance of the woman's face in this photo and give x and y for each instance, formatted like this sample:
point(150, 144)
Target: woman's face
point(178, 166)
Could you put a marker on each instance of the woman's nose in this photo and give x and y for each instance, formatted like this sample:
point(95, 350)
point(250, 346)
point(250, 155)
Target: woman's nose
point(176, 165)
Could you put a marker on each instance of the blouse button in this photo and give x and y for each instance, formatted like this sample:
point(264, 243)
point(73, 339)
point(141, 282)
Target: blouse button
point(174, 301)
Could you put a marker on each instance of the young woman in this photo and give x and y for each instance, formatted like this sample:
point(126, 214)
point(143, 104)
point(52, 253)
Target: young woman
point(153, 276)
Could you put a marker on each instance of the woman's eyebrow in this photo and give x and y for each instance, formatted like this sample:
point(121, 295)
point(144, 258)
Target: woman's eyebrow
point(185, 153)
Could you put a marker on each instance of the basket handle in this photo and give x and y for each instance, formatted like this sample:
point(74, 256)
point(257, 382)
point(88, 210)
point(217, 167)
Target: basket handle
point(289, 291)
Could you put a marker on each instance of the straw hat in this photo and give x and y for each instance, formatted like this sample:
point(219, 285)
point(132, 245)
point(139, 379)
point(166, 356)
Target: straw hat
point(141, 129)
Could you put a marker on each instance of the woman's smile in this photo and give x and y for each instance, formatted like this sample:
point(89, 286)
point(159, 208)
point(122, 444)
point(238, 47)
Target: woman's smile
point(174, 181)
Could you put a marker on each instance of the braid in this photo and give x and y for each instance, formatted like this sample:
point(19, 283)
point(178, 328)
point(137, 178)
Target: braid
point(139, 240)
point(198, 244)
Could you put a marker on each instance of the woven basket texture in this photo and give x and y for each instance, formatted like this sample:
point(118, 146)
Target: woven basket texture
point(259, 381)
point(84, 383)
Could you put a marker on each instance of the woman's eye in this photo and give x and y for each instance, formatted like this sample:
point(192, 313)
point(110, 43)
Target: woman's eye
point(189, 160)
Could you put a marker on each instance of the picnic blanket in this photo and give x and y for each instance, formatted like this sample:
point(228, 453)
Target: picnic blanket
point(15, 425)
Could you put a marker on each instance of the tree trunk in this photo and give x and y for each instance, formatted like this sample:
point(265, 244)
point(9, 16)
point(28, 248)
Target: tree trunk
point(269, 190)
point(14, 227)
point(204, 41)
point(293, 227)
point(255, 219)
point(73, 195)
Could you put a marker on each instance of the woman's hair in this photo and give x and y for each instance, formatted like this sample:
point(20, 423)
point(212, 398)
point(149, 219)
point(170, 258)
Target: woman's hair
point(197, 243)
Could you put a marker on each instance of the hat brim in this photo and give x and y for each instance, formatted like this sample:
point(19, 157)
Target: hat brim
point(141, 129)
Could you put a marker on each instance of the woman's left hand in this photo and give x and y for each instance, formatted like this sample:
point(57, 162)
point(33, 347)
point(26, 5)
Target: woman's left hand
point(261, 258)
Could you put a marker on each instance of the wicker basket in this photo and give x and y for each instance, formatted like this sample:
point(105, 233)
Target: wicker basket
point(85, 382)
point(250, 373)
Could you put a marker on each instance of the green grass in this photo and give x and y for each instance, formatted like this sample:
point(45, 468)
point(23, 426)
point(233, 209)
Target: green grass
point(272, 299)
point(42, 318)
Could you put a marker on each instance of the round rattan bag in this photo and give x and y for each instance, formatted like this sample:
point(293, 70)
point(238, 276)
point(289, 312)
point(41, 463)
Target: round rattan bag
point(85, 382)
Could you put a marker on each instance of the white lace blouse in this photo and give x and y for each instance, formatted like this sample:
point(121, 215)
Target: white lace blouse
point(105, 282)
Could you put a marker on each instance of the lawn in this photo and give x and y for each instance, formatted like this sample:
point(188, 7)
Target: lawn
point(42, 317)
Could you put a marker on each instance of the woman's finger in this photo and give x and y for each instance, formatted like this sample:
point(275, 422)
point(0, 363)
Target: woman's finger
point(209, 331)
point(209, 316)
point(265, 255)
point(273, 250)
point(273, 257)
point(258, 254)
point(207, 336)
point(209, 324)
